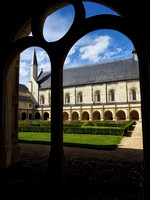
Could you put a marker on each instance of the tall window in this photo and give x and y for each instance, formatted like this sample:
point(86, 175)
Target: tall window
point(97, 97)
point(111, 95)
point(42, 100)
point(67, 98)
point(79, 97)
point(133, 94)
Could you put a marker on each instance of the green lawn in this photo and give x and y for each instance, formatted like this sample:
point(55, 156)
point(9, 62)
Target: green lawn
point(79, 140)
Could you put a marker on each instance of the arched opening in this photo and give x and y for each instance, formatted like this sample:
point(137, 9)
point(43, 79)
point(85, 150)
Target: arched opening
point(75, 116)
point(121, 115)
point(85, 116)
point(97, 97)
point(96, 115)
point(24, 116)
point(30, 116)
point(134, 115)
point(108, 115)
point(111, 95)
point(37, 116)
point(46, 116)
point(57, 112)
point(65, 116)
point(80, 97)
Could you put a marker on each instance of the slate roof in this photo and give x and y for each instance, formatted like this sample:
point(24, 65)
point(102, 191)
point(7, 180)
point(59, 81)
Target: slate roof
point(23, 88)
point(124, 69)
point(24, 98)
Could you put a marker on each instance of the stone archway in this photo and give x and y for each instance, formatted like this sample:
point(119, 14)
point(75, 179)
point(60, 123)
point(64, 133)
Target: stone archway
point(65, 116)
point(96, 115)
point(23, 115)
point(30, 116)
point(142, 44)
point(108, 115)
point(121, 115)
point(75, 116)
point(46, 116)
point(37, 116)
point(85, 115)
point(134, 115)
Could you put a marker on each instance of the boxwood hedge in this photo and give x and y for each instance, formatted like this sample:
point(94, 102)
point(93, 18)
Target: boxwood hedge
point(78, 129)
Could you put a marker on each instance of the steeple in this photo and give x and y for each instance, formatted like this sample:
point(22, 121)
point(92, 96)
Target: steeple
point(34, 66)
point(34, 59)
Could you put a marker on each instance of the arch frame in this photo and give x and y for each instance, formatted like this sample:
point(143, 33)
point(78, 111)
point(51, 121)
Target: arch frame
point(119, 24)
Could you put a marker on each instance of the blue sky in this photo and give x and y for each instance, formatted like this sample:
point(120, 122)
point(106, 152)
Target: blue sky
point(98, 46)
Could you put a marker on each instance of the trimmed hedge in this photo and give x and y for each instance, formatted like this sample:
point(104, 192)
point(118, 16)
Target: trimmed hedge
point(95, 130)
point(78, 129)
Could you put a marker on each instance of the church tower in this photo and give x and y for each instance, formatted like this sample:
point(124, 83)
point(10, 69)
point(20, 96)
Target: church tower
point(34, 66)
point(33, 85)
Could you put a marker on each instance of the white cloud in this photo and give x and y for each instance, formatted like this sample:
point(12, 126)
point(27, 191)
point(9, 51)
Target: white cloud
point(92, 52)
point(23, 72)
point(112, 54)
point(57, 24)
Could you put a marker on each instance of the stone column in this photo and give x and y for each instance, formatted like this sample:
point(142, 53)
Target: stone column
point(56, 159)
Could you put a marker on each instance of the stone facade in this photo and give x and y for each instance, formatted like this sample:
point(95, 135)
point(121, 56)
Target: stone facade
point(96, 101)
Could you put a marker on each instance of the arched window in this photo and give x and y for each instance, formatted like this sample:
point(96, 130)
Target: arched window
point(67, 98)
point(79, 97)
point(97, 97)
point(111, 95)
point(42, 100)
point(133, 94)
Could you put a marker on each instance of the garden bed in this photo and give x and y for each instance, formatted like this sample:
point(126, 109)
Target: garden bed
point(79, 127)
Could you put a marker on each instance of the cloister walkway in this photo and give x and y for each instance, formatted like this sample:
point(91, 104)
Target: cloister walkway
point(91, 174)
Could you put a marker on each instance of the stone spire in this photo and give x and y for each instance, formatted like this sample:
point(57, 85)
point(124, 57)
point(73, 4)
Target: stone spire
point(34, 66)
point(34, 59)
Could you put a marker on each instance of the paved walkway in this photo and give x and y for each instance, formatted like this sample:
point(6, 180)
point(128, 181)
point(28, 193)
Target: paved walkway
point(130, 149)
point(135, 141)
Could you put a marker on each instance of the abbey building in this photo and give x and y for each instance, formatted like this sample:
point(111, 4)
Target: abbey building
point(91, 92)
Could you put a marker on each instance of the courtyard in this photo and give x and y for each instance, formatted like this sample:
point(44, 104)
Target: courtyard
point(90, 173)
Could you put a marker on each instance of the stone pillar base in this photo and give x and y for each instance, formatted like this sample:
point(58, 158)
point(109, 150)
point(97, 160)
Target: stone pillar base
point(56, 167)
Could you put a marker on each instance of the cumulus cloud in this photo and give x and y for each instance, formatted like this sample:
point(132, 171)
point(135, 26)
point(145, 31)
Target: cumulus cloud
point(92, 52)
point(57, 24)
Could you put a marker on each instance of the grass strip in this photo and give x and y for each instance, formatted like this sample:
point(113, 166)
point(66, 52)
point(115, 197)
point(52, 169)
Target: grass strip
point(108, 142)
